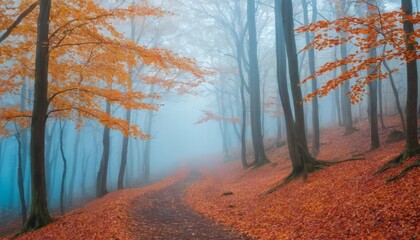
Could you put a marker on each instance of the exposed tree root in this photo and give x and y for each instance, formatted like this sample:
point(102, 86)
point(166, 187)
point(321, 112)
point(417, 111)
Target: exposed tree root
point(35, 222)
point(311, 166)
point(279, 185)
point(391, 164)
point(398, 161)
point(405, 171)
point(349, 160)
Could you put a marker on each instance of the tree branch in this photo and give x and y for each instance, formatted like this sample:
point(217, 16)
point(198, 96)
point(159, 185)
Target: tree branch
point(18, 20)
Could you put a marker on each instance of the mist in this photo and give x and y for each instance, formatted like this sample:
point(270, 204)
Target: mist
point(134, 91)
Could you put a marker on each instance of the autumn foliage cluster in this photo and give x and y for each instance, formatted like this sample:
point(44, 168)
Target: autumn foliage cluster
point(91, 61)
point(375, 30)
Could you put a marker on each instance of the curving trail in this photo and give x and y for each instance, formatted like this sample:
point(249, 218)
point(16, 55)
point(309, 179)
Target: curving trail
point(163, 215)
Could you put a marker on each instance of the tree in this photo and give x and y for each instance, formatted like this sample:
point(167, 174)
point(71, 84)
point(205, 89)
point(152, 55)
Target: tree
point(231, 19)
point(254, 85)
point(302, 161)
point(373, 87)
point(63, 177)
point(39, 215)
point(74, 59)
point(411, 142)
point(396, 33)
point(311, 56)
point(20, 179)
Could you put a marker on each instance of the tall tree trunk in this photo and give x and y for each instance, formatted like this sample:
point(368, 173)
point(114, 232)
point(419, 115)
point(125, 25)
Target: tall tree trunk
point(311, 55)
point(289, 35)
point(20, 181)
point(243, 122)
point(283, 87)
point(338, 106)
point(337, 101)
point(147, 148)
point(22, 140)
point(239, 56)
point(278, 125)
point(254, 82)
point(411, 143)
point(373, 96)
point(397, 97)
point(39, 215)
point(302, 161)
point(63, 177)
point(101, 181)
point(124, 155)
point(373, 112)
point(381, 107)
point(124, 151)
point(345, 101)
point(233, 125)
point(84, 173)
point(76, 156)
point(222, 124)
point(24, 132)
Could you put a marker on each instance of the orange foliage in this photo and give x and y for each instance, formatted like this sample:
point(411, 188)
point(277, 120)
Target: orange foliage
point(212, 116)
point(90, 60)
point(339, 202)
point(378, 29)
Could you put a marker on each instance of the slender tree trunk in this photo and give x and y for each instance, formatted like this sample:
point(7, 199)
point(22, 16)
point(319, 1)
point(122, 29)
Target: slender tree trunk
point(283, 87)
point(302, 161)
point(278, 125)
point(63, 177)
point(76, 156)
point(39, 215)
point(311, 55)
point(84, 173)
point(124, 155)
point(239, 56)
point(222, 124)
point(374, 133)
point(337, 101)
point(381, 107)
point(290, 42)
point(243, 122)
point(338, 106)
point(101, 181)
point(50, 154)
point(412, 84)
point(345, 101)
point(24, 132)
point(254, 76)
point(397, 97)
point(124, 151)
point(234, 126)
point(20, 181)
point(373, 97)
point(147, 148)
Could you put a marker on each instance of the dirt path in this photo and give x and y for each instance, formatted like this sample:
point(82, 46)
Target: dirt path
point(163, 215)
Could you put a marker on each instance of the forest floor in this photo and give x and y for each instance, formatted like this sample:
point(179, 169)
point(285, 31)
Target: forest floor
point(345, 201)
point(340, 202)
point(154, 212)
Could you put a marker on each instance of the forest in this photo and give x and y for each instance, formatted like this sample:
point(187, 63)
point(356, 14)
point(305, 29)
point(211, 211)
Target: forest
point(209, 119)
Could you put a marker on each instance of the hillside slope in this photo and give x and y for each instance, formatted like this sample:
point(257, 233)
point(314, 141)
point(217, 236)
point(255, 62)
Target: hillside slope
point(339, 202)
